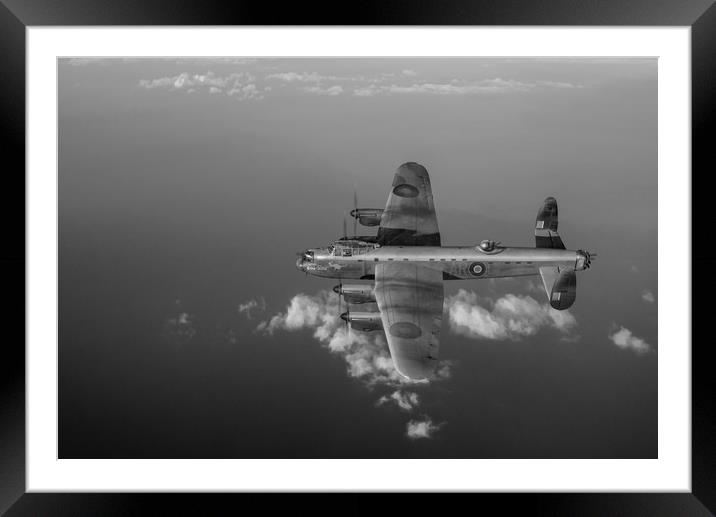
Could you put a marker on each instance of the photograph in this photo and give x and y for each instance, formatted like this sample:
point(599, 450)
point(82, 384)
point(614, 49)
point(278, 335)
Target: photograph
point(357, 257)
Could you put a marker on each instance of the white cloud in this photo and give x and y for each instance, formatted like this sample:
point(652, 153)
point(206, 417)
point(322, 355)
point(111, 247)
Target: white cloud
point(624, 339)
point(648, 296)
point(311, 77)
point(250, 305)
point(456, 87)
point(509, 317)
point(484, 86)
point(367, 91)
point(406, 400)
point(292, 77)
point(319, 90)
point(365, 353)
point(558, 84)
point(179, 330)
point(238, 85)
point(409, 72)
point(421, 429)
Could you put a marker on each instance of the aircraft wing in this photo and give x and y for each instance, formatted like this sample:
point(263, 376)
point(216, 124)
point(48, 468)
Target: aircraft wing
point(409, 216)
point(410, 299)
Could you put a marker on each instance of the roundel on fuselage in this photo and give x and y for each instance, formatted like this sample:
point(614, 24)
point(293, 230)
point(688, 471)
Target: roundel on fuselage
point(477, 269)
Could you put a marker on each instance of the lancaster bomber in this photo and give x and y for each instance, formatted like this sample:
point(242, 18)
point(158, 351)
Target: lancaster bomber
point(406, 264)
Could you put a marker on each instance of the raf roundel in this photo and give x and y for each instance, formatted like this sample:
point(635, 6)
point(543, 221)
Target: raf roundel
point(477, 269)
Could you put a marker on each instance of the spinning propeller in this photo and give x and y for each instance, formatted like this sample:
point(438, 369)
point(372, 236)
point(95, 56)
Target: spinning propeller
point(346, 316)
point(588, 257)
point(338, 289)
point(355, 211)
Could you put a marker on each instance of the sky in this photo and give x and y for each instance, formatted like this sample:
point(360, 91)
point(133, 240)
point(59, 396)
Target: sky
point(186, 187)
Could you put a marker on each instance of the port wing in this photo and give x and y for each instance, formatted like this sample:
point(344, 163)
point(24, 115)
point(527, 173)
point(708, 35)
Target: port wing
point(410, 300)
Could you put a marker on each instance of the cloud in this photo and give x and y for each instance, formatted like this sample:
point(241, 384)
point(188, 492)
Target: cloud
point(367, 91)
point(509, 317)
point(303, 77)
point(365, 354)
point(559, 84)
point(648, 296)
point(456, 87)
point(388, 83)
point(238, 85)
point(406, 400)
point(312, 77)
point(624, 339)
point(484, 86)
point(319, 90)
point(421, 429)
point(179, 330)
point(248, 306)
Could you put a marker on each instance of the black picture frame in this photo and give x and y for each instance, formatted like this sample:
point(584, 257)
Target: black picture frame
point(17, 15)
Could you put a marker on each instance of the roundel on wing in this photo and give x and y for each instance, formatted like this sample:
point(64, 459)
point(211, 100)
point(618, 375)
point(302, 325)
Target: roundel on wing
point(477, 269)
point(405, 329)
point(405, 190)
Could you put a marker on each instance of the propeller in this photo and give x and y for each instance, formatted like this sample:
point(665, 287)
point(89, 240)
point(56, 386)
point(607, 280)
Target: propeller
point(338, 289)
point(346, 317)
point(355, 210)
point(588, 257)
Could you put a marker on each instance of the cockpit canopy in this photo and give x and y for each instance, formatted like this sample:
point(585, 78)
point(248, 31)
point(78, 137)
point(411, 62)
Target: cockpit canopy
point(353, 243)
point(345, 247)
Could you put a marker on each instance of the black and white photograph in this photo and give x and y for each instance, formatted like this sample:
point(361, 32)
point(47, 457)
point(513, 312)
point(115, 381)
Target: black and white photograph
point(357, 257)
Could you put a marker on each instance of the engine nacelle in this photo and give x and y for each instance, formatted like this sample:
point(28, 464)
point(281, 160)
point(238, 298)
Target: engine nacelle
point(368, 216)
point(364, 321)
point(355, 293)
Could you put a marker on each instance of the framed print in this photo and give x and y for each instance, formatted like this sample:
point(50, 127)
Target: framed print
point(219, 298)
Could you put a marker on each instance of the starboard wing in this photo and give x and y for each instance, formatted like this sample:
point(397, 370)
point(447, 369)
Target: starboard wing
point(409, 217)
point(410, 300)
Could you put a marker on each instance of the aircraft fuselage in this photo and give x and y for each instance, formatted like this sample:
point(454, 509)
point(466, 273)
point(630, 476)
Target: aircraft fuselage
point(456, 262)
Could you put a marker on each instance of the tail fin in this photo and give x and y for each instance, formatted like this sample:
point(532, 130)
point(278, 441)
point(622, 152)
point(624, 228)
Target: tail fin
point(546, 235)
point(560, 284)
